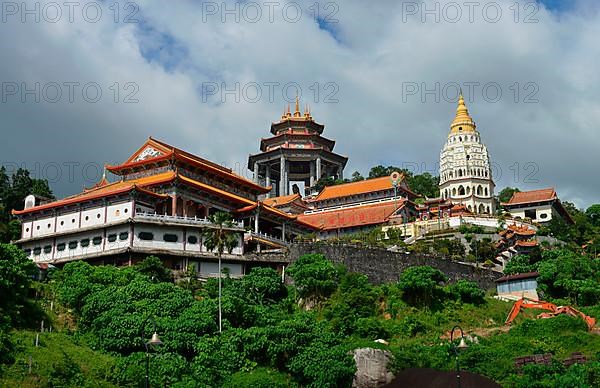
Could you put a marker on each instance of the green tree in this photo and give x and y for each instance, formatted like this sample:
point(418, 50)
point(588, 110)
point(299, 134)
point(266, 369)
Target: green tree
point(483, 249)
point(262, 286)
point(154, 268)
point(221, 238)
point(519, 264)
point(357, 177)
point(467, 292)
point(593, 214)
point(314, 276)
point(506, 194)
point(424, 184)
point(421, 285)
point(16, 271)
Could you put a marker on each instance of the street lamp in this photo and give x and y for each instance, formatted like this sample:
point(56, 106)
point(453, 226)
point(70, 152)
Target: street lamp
point(461, 346)
point(154, 341)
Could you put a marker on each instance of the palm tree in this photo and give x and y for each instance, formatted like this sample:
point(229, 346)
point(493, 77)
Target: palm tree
point(220, 239)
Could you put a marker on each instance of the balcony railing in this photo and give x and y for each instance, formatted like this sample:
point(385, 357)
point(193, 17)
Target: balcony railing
point(181, 219)
point(267, 237)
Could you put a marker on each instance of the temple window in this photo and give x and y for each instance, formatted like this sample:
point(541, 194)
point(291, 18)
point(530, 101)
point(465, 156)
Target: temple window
point(461, 190)
point(85, 242)
point(112, 238)
point(48, 249)
point(147, 236)
point(192, 240)
point(123, 236)
point(168, 237)
point(97, 240)
point(73, 244)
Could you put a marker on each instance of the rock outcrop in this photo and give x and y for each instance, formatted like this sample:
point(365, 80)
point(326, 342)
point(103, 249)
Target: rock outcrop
point(372, 368)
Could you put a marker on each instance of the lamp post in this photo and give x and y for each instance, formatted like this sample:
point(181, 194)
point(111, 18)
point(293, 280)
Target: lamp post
point(462, 345)
point(154, 341)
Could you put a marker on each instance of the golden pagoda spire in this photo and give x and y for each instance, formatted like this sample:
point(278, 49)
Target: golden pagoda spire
point(297, 110)
point(463, 122)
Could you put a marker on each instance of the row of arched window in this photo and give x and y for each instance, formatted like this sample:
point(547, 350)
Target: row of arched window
point(478, 190)
point(462, 172)
point(481, 209)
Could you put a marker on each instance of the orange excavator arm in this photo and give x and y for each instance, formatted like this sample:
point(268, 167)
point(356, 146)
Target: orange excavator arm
point(529, 304)
point(554, 311)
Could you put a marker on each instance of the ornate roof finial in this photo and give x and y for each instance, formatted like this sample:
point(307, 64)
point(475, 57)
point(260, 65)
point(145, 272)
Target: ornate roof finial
point(284, 115)
point(297, 110)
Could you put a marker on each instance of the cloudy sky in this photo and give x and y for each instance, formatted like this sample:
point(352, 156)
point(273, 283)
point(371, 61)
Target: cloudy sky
point(86, 84)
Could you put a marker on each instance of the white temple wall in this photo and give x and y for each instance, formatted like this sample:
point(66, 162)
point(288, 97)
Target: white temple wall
point(119, 212)
point(93, 217)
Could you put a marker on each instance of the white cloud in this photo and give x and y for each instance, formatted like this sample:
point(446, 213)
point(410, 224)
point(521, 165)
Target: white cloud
point(376, 49)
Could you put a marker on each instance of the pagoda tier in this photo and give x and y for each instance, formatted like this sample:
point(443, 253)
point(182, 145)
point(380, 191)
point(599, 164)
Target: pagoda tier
point(294, 140)
point(296, 153)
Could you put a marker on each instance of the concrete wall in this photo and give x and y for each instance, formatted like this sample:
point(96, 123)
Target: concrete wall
point(383, 266)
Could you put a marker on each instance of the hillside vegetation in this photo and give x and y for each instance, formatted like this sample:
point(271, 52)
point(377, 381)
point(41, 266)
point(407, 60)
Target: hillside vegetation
point(276, 335)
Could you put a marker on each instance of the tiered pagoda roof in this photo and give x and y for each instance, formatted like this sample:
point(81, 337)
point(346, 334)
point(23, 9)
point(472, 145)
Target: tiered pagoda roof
point(299, 133)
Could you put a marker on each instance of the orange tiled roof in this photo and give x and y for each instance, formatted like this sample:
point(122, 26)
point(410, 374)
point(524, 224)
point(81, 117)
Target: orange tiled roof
point(168, 151)
point(354, 188)
point(532, 196)
point(140, 184)
point(105, 190)
point(522, 230)
point(372, 214)
point(527, 244)
point(280, 201)
point(276, 212)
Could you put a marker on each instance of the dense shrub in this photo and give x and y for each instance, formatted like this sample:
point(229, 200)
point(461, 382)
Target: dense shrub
point(314, 276)
point(421, 285)
point(467, 292)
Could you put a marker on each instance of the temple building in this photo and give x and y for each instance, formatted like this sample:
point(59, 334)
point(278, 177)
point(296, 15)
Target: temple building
point(358, 206)
point(465, 169)
point(537, 205)
point(159, 206)
point(515, 240)
point(295, 153)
